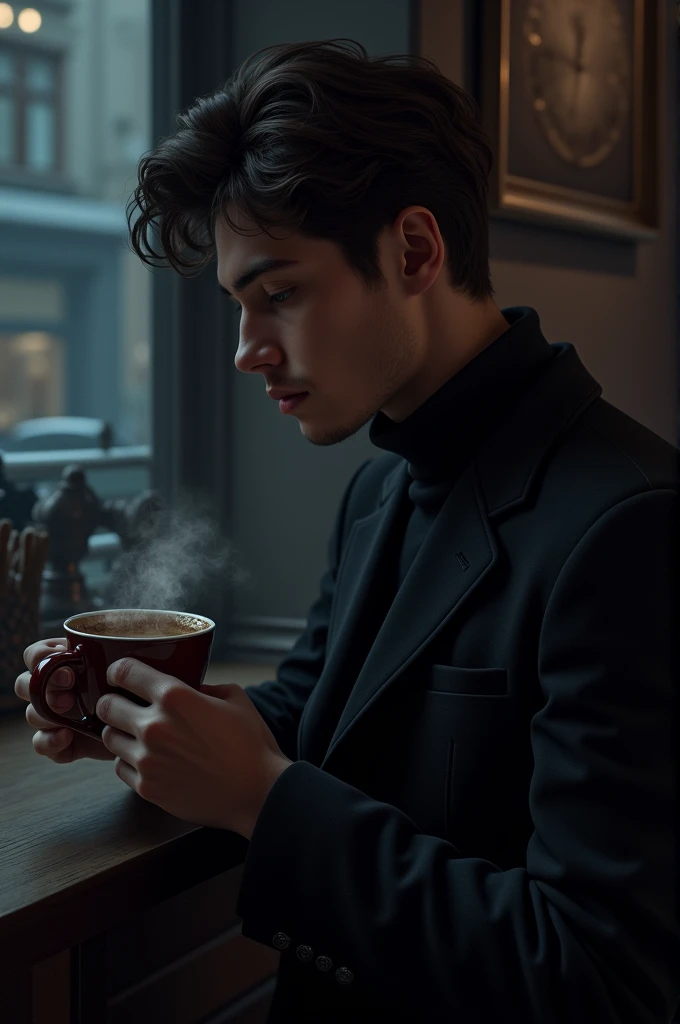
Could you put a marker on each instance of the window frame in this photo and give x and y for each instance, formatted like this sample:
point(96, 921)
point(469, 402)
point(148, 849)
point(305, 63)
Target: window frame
point(192, 429)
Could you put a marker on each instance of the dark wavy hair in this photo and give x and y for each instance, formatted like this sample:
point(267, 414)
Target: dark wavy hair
point(321, 138)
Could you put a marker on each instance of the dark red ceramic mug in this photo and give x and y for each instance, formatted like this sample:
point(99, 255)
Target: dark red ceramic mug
point(175, 643)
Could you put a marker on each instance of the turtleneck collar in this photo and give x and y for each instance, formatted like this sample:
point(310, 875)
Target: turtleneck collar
point(443, 433)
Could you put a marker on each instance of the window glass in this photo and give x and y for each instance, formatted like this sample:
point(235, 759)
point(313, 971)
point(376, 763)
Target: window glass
point(40, 136)
point(31, 376)
point(7, 67)
point(75, 303)
point(40, 75)
point(7, 130)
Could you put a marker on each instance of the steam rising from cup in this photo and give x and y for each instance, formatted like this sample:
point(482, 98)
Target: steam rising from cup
point(175, 560)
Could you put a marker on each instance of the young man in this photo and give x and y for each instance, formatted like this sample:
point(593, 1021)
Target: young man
point(468, 806)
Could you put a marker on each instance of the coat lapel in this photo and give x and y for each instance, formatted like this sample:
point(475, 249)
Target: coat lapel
point(458, 552)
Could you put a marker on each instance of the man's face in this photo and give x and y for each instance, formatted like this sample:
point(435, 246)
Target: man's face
point(315, 327)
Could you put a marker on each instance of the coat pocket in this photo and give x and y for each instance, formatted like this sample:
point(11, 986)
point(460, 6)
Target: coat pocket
point(474, 682)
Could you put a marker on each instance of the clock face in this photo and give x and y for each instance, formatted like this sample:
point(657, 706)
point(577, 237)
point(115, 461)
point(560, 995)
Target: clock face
point(577, 75)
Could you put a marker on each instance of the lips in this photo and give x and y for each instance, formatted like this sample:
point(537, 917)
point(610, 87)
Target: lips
point(291, 402)
point(278, 393)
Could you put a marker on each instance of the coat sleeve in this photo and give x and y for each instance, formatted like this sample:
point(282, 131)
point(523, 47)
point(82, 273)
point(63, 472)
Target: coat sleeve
point(282, 701)
point(587, 930)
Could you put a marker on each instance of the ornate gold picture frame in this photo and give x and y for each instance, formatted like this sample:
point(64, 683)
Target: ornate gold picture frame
point(568, 95)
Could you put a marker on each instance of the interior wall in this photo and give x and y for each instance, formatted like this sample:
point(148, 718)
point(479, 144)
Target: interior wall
point(615, 301)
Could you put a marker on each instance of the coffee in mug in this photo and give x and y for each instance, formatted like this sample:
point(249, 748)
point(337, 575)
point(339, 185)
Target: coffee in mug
point(138, 624)
point(175, 643)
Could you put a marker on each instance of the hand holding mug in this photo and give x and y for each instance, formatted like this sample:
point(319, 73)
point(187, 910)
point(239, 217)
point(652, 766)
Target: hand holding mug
point(208, 759)
point(72, 671)
point(62, 745)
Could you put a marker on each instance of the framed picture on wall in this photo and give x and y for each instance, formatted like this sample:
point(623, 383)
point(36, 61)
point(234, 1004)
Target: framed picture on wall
point(568, 92)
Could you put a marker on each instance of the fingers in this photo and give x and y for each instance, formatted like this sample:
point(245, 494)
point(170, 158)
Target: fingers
point(34, 654)
point(63, 677)
point(60, 684)
point(55, 743)
point(38, 722)
point(59, 692)
point(63, 746)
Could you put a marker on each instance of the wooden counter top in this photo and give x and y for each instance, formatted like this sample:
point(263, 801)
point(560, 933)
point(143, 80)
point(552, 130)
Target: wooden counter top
point(80, 851)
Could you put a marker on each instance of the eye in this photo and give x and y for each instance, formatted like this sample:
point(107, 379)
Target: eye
point(277, 295)
point(271, 299)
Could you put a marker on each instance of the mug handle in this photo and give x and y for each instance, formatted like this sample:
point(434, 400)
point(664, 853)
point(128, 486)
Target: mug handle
point(75, 659)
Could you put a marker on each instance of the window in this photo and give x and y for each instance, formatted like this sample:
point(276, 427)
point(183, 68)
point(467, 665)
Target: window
point(30, 109)
point(75, 302)
point(75, 109)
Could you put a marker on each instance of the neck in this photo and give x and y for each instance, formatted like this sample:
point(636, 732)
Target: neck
point(454, 338)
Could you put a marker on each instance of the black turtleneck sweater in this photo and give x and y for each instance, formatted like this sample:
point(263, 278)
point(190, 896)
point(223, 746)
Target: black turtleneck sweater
point(442, 435)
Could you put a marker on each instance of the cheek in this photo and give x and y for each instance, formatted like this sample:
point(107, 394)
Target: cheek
point(337, 341)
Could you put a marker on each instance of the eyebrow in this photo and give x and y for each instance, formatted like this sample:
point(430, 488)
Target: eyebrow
point(255, 270)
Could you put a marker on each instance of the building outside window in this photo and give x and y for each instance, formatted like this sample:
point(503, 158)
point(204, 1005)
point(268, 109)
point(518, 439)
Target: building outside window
point(75, 302)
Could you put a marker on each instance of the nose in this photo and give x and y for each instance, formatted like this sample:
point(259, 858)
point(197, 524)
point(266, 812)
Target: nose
point(255, 355)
